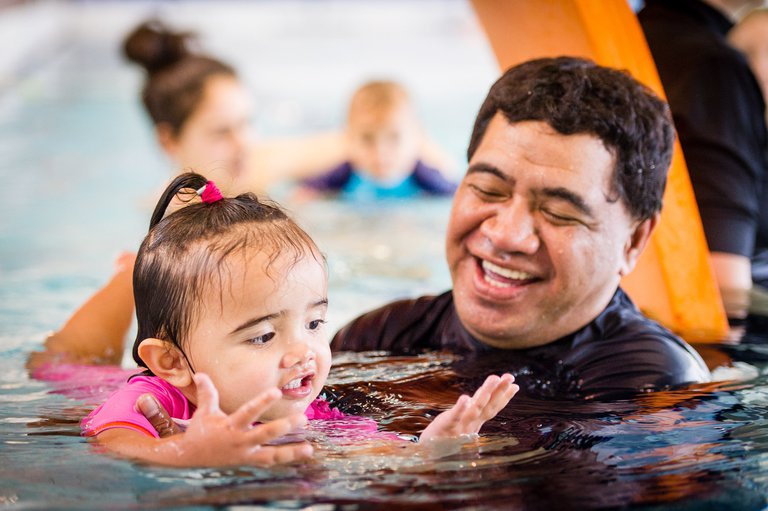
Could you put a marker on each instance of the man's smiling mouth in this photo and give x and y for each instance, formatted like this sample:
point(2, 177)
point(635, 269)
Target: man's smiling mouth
point(502, 277)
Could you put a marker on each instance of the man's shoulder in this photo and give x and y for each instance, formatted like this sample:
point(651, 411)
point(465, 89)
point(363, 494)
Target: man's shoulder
point(403, 325)
point(622, 320)
point(622, 349)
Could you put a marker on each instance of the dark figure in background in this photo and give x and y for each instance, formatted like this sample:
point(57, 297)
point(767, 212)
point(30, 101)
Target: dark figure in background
point(567, 167)
point(718, 110)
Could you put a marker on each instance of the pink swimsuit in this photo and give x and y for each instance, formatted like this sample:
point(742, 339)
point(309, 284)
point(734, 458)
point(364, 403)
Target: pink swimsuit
point(119, 411)
point(107, 385)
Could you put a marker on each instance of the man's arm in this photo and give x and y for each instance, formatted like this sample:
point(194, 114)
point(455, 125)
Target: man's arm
point(733, 273)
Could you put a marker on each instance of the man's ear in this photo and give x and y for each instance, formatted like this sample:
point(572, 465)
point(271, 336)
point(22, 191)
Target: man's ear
point(636, 243)
point(167, 361)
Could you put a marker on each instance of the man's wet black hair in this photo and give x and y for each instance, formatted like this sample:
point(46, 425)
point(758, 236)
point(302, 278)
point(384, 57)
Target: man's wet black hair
point(576, 96)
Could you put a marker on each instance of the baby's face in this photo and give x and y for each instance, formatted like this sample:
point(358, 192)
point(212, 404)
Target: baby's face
point(384, 143)
point(264, 328)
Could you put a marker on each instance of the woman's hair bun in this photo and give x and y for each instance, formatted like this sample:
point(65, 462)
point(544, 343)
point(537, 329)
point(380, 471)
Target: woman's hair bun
point(154, 46)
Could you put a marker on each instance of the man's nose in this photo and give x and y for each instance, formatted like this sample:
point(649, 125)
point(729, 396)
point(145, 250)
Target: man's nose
point(512, 229)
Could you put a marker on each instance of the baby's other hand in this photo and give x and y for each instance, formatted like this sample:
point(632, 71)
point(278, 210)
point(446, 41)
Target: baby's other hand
point(469, 414)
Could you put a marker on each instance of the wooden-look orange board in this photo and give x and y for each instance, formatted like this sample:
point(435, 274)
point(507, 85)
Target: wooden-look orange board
point(673, 281)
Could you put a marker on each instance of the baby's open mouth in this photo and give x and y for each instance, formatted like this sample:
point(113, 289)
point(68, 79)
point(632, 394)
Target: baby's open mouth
point(299, 385)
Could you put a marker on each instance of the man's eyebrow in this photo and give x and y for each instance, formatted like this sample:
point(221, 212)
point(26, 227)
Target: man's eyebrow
point(256, 321)
point(490, 169)
point(563, 193)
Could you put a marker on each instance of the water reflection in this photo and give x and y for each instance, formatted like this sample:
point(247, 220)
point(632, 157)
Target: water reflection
point(685, 449)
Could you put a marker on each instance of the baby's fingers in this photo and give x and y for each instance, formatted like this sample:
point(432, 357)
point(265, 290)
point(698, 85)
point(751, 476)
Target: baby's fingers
point(207, 395)
point(482, 395)
point(456, 414)
point(272, 455)
point(250, 412)
point(270, 431)
point(502, 392)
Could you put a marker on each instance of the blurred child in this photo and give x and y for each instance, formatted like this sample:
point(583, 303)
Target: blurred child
point(231, 298)
point(384, 142)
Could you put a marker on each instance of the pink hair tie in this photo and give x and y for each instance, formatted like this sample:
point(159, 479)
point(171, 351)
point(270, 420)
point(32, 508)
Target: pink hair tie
point(210, 193)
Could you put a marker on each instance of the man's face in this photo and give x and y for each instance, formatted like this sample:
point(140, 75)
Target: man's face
point(535, 246)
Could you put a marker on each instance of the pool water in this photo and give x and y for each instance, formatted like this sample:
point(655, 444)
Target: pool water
point(79, 169)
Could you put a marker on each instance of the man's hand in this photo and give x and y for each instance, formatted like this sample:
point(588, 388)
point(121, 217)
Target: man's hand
point(469, 414)
point(157, 415)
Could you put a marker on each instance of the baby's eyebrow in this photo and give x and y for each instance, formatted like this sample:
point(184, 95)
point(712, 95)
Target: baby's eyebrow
point(255, 321)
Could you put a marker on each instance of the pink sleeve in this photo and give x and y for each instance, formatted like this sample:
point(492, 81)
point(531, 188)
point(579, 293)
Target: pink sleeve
point(342, 427)
point(119, 411)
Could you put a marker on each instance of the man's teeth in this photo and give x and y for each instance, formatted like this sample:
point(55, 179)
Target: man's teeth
point(293, 384)
point(503, 272)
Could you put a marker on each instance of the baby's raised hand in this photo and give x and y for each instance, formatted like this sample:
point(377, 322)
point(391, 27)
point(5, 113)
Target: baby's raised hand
point(214, 438)
point(469, 414)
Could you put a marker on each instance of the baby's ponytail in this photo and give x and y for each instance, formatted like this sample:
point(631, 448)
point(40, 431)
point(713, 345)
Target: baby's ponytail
point(187, 181)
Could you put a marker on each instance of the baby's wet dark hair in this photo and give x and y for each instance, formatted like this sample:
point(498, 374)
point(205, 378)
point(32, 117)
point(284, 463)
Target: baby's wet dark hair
point(184, 257)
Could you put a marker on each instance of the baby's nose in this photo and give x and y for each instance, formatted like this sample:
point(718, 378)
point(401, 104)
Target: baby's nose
point(298, 356)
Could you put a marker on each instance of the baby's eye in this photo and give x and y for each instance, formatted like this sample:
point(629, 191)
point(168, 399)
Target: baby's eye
point(315, 324)
point(261, 339)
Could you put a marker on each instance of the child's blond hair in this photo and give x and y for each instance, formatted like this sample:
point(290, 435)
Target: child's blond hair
point(380, 96)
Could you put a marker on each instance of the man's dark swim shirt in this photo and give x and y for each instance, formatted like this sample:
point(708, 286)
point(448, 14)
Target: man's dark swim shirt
point(619, 352)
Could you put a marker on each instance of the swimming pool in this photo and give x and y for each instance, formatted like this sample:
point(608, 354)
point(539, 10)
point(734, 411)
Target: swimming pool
point(78, 167)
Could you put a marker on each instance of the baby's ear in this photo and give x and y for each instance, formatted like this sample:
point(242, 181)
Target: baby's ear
point(167, 361)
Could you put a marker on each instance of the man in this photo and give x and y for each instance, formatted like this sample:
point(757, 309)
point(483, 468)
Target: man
point(567, 167)
point(718, 110)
